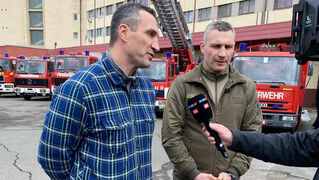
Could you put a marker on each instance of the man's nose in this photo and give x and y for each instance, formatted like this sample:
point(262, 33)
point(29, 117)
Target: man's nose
point(222, 52)
point(155, 45)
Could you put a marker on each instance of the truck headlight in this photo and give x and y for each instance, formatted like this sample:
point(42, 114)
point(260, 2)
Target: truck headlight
point(287, 118)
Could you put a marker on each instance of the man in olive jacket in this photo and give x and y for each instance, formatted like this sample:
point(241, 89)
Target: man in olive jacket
point(234, 103)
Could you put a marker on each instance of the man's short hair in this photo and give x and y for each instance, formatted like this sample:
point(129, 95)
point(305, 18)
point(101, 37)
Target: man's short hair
point(220, 26)
point(127, 14)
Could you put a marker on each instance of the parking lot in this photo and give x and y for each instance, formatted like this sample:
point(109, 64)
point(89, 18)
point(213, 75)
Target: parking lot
point(20, 128)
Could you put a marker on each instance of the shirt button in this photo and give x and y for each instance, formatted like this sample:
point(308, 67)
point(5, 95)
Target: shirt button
point(119, 123)
point(137, 146)
point(139, 167)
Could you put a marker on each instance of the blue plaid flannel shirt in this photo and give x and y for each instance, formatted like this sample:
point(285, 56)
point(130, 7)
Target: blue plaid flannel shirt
point(96, 129)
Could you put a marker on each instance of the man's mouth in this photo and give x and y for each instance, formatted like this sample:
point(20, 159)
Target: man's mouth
point(150, 55)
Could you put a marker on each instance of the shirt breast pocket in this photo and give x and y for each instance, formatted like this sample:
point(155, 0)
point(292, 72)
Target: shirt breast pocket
point(148, 116)
point(115, 134)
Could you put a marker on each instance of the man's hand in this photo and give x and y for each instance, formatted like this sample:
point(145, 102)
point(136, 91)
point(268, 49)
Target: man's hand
point(224, 176)
point(204, 176)
point(225, 134)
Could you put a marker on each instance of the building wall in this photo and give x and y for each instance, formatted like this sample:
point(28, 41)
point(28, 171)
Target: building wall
point(13, 19)
point(59, 26)
point(59, 23)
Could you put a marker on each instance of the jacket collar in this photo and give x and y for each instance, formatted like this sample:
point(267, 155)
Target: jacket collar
point(234, 76)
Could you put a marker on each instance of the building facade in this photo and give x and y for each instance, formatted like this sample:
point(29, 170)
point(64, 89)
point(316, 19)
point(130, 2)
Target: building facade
point(78, 25)
point(56, 24)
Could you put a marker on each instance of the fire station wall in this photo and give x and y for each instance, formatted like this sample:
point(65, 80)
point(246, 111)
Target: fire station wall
point(278, 15)
point(13, 22)
point(59, 23)
point(311, 88)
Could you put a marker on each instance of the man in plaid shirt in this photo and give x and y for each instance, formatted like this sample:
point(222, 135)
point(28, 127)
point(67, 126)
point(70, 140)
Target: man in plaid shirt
point(100, 122)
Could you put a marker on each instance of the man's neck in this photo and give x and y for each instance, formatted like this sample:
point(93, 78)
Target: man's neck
point(121, 60)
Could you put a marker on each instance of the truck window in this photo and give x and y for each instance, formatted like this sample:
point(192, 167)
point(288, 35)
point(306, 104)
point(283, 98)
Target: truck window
point(4, 64)
point(156, 72)
point(263, 70)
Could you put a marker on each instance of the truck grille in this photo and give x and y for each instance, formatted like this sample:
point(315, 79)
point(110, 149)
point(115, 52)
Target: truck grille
point(58, 81)
point(31, 82)
point(2, 78)
point(273, 105)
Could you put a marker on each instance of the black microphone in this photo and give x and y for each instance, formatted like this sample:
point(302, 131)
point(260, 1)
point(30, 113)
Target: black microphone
point(201, 111)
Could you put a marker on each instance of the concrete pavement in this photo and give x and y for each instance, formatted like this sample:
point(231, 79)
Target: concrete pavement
point(21, 125)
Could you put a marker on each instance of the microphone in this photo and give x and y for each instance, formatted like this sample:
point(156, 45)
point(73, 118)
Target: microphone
point(201, 111)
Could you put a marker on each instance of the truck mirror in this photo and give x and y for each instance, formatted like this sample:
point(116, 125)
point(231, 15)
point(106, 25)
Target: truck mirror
point(310, 69)
point(51, 66)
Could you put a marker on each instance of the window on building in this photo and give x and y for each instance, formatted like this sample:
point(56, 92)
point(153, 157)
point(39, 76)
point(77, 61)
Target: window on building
point(35, 4)
point(36, 37)
point(224, 11)
point(99, 32)
point(108, 31)
point(36, 19)
point(119, 4)
point(99, 12)
point(280, 4)
point(204, 14)
point(188, 16)
point(144, 2)
point(109, 10)
point(90, 34)
point(75, 16)
point(246, 7)
point(91, 14)
point(75, 35)
point(131, 1)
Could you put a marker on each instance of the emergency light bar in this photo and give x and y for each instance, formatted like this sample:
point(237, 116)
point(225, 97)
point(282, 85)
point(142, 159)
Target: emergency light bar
point(305, 31)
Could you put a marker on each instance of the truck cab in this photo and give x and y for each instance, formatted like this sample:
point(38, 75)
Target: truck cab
point(66, 65)
point(280, 84)
point(7, 70)
point(33, 77)
point(161, 73)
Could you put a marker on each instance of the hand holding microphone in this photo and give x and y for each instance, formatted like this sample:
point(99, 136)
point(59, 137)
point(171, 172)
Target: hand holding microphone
point(201, 111)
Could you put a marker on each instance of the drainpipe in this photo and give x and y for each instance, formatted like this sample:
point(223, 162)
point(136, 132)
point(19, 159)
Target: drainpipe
point(194, 16)
point(80, 18)
point(263, 14)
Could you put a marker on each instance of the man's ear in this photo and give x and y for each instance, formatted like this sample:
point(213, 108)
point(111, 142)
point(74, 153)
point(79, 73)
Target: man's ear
point(123, 32)
point(202, 45)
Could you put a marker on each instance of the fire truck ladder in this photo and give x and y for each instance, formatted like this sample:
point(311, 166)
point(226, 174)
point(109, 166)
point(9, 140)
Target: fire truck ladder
point(173, 24)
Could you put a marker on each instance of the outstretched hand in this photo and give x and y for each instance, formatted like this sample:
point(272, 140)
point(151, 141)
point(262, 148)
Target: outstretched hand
point(225, 134)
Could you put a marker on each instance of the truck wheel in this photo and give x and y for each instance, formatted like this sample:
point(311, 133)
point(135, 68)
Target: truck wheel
point(27, 97)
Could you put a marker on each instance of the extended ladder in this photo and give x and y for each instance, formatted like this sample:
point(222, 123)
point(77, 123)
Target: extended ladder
point(173, 24)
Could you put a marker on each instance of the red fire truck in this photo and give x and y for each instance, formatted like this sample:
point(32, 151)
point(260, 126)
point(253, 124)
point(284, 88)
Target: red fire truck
point(66, 66)
point(7, 66)
point(280, 84)
point(33, 77)
point(180, 60)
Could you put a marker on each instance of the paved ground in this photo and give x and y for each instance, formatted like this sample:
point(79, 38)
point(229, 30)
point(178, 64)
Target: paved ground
point(21, 124)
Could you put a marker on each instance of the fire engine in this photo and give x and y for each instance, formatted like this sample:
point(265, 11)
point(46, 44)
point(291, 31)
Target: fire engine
point(7, 66)
point(180, 60)
point(33, 77)
point(280, 84)
point(66, 65)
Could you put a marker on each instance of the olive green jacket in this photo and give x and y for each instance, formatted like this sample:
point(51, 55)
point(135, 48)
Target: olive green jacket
point(182, 136)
